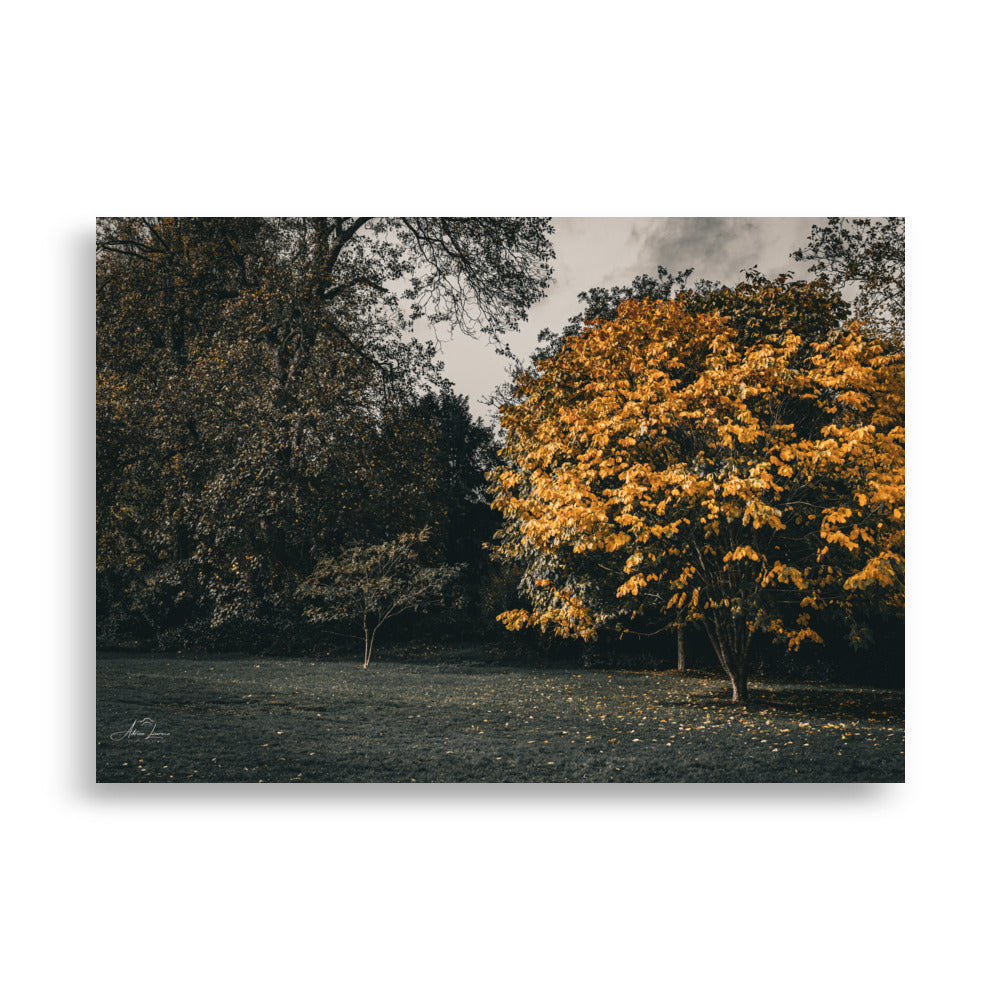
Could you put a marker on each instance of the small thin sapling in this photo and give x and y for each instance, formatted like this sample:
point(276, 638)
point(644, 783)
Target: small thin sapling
point(373, 583)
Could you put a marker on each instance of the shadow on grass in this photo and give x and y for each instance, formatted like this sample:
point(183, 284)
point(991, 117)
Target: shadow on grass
point(835, 703)
point(843, 704)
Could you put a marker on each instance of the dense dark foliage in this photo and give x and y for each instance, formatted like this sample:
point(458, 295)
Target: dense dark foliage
point(261, 404)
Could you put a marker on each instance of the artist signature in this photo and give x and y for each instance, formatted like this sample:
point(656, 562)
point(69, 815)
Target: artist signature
point(141, 729)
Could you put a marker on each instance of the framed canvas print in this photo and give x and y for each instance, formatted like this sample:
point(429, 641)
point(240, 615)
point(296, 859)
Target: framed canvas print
point(500, 499)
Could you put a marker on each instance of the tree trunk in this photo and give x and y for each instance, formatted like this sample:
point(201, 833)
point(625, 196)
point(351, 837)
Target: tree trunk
point(739, 681)
point(731, 645)
point(681, 662)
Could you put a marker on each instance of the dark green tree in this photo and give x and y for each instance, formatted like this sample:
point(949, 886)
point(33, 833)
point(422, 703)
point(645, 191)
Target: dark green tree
point(865, 259)
point(763, 309)
point(257, 400)
point(456, 497)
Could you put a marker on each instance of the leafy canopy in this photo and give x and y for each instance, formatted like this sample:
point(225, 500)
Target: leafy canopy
point(747, 477)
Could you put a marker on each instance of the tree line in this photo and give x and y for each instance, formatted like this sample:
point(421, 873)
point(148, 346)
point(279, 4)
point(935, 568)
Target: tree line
point(277, 452)
point(262, 404)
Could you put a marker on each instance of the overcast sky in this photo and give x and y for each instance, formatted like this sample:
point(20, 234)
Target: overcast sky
point(597, 252)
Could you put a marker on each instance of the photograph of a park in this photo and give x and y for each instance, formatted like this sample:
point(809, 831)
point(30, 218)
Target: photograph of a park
point(500, 499)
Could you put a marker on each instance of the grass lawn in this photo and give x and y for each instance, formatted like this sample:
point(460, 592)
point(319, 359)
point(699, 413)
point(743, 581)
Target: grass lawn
point(472, 715)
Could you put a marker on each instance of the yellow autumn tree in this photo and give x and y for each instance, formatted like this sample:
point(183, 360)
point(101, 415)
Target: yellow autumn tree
point(665, 462)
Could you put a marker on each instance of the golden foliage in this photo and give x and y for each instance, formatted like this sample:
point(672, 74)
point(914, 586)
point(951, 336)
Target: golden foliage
point(698, 470)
